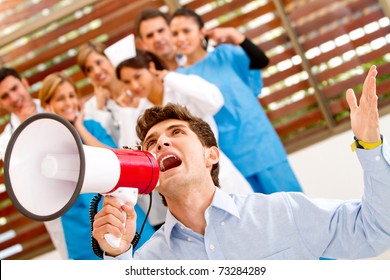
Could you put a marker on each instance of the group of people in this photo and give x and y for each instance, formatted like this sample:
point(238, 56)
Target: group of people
point(181, 100)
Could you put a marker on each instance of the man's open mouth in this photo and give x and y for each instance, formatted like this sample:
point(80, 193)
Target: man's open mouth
point(169, 162)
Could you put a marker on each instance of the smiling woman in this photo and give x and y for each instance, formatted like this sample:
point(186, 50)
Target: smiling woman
point(59, 95)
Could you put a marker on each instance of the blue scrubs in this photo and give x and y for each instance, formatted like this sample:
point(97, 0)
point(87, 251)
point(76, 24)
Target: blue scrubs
point(245, 133)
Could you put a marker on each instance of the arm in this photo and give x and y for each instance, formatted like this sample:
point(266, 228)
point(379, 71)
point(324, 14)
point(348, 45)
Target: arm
point(372, 223)
point(196, 93)
point(85, 135)
point(258, 59)
point(355, 228)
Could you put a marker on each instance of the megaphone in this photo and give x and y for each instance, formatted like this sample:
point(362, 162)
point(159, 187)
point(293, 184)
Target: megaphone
point(46, 167)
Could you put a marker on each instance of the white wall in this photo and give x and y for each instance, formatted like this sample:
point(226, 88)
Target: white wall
point(330, 169)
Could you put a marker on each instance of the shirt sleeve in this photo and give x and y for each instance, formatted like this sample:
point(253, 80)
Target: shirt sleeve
point(258, 59)
point(128, 255)
point(355, 228)
point(199, 95)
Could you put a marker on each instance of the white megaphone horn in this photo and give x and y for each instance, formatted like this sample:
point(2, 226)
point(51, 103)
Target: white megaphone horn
point(46, 167)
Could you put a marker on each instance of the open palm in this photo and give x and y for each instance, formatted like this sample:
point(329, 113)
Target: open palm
point(365, 116)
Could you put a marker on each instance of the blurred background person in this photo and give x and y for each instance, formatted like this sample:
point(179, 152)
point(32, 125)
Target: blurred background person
point(152, 27)
point(102, 107)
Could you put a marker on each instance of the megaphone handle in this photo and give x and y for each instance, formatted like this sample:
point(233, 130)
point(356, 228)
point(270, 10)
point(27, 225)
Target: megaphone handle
point(124, 195)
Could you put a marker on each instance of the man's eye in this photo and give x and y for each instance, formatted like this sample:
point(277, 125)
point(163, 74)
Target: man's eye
point(150, 144)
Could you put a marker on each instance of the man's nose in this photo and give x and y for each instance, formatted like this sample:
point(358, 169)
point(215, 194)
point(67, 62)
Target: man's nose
point(163, 141)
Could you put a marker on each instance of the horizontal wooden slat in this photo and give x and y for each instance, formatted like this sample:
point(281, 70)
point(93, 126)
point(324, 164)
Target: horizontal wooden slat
point(295, 107)
point(27, 13)
point(333, 14)
point(10, 5)
point(225, 9)
point(310, 135)
point(198, 4)
point(38, 42)
point(294, 125)
point(281, 75)
point(340, 87)
point(34, 247)
point(110, 24)
point(286, 55)
point(24, 231)
point(283, 93)
point(346, 29)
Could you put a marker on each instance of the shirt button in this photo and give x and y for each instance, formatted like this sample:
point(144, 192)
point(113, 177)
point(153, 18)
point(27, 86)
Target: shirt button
point(189, 239)
point(212, 247)
point(377, 158)
point(222, 223)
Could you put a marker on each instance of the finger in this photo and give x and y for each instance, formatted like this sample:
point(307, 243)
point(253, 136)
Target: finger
point(111, 200)
point(369, 86)
point(129, 210)
point(351, 100)
point(109, 215)
point(99, 231)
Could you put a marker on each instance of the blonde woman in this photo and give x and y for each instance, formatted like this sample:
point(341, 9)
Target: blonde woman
point(107, 87)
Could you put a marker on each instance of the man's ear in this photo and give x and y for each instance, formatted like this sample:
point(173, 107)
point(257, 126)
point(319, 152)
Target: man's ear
point(212, 156)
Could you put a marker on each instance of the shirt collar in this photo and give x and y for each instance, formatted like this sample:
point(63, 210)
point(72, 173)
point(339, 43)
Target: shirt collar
point(221, 201)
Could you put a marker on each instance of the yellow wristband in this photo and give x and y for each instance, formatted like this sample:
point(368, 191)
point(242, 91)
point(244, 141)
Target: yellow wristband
point(365, 145)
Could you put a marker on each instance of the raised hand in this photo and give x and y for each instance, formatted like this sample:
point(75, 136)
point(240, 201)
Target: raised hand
point(365, 116)
point(226, 35)
point(127, 99)
point(102, 95)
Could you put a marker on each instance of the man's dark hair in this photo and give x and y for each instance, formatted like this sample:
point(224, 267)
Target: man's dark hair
point(5, 72)
point(146, 14)
point(202, 129)
point(140, 61)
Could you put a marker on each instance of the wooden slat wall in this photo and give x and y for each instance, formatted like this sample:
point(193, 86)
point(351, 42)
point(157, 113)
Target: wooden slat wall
point(304, 84)
point(20, 237)
point(289, 96)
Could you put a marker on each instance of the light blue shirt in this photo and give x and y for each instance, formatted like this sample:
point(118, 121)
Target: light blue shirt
point(285, 225)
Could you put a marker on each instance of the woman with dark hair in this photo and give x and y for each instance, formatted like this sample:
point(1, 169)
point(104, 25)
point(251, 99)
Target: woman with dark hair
point(245, 133)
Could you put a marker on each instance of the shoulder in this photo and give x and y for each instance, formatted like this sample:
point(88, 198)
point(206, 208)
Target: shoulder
point(227, 49)
point(90, 102)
